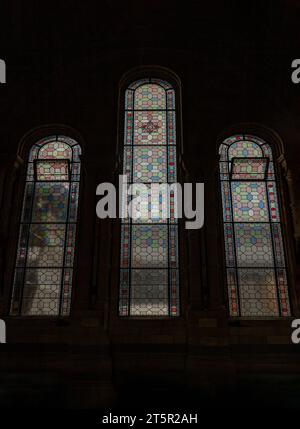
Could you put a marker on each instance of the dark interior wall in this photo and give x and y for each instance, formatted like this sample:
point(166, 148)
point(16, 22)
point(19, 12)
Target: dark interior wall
point(65, 61)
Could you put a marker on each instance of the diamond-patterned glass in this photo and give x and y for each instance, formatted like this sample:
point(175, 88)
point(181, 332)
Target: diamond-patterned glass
point(45, 255)
point(254, 248)
point(149, 278)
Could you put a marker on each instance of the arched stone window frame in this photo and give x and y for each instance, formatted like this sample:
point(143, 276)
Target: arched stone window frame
point(285, 206)
point(155, 72)
point(18, 182)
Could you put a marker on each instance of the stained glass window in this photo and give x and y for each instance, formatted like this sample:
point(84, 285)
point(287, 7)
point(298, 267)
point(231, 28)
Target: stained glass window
point(149, 277)
point(45, 257)
point(255, 260)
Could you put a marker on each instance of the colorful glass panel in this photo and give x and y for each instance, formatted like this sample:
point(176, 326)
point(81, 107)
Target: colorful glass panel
point(244, 149)
point(149, 292)
point(50, 203)
point(45, 256)
point(150, 96)
point(253, 245)
point(48, 170)
point(248, 168)
point(249, 202)
point(150, 127)
point(258, 294)
point(55, 150)
point(149, 274)
point(150, 246)
point(150, 164)
point(255, 260)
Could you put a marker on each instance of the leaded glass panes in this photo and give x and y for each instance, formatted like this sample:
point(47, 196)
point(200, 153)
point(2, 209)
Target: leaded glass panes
point(45, 256)
point(255, 260)
point(51, 170)
point(258, 292)
point(150, 127)
point(253, 244)
point(150, 96)
point(249, 168)
point(149, 277)
point(50, 202)
point(150, 164)
point(149, 292)
point(249, 201)
point(150, 247)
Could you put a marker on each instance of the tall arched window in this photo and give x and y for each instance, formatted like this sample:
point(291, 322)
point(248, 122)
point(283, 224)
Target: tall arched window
point(45, 256)
point(149, 277)
point(255, 259)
